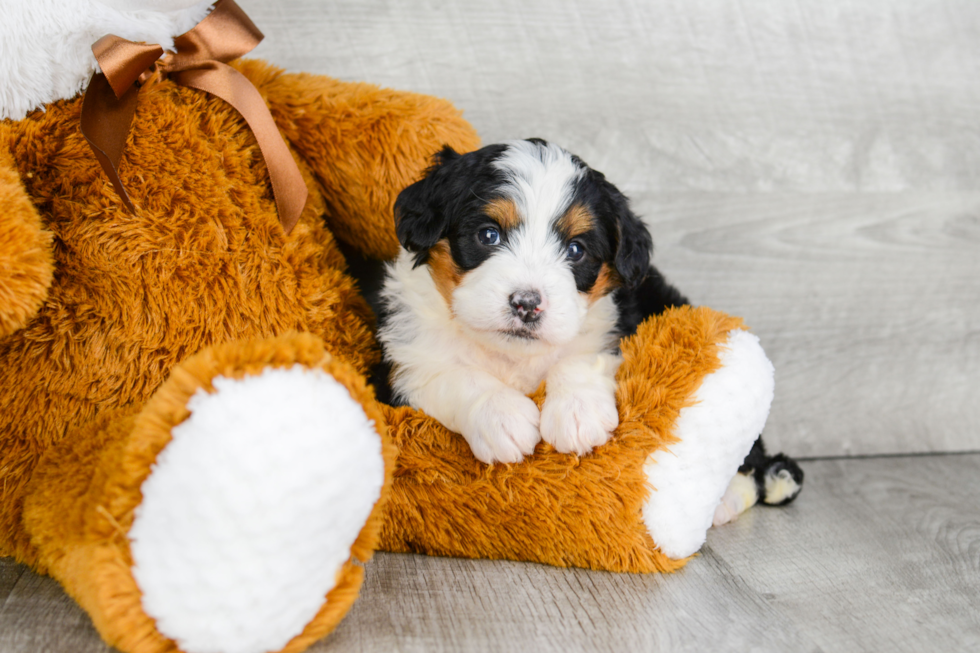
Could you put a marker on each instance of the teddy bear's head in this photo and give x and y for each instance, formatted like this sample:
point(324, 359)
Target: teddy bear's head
point(46, 56)
point(46, 53)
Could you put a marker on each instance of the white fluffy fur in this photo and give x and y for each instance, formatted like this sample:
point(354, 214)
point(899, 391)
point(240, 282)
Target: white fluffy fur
point(456, 363)
point(46, 45)
point(252, 509)
point(716, 433)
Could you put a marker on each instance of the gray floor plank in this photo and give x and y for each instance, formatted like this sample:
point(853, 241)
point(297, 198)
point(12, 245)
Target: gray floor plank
point(412, 603)
point(9, 575)
point(37, 616)
point(884, 556)
point(877, 554)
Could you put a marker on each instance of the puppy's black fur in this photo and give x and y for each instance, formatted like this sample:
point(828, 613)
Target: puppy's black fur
point(447, 203)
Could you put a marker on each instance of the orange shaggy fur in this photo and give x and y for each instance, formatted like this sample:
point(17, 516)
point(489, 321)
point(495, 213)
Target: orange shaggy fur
point(25, 252)
point(98, 306)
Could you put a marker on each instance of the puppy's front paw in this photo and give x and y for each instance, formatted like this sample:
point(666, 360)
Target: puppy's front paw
point(504, 428)
point(580, 419)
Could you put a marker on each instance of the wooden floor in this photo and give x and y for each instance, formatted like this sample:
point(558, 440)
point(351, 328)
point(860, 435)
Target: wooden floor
point(878, 554)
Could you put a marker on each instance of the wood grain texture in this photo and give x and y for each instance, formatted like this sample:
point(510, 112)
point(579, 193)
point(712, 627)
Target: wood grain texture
point(876, 555)
point(888, 559)
point(810, 165)
point(867, 304)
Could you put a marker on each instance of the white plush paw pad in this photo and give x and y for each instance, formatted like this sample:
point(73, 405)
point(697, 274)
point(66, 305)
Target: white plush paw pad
point(251, 510)
point(579, 420)
point(716, 433)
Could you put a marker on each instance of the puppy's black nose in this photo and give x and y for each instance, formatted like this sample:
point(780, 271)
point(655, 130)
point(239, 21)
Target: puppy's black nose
point(525, 305)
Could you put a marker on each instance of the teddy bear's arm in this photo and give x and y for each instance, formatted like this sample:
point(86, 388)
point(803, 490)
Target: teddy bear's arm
point(25, 250)
point(363, 143)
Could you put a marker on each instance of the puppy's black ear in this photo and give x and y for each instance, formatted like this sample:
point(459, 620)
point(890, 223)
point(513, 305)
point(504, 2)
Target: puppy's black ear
point(420, 211)
point(634, 247)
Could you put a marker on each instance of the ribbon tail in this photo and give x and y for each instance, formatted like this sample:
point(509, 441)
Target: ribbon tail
point(225, 82)
point(105, 122)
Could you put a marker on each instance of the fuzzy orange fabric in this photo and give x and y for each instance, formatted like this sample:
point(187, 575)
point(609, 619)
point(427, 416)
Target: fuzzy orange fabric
point(556, 508)
point(25, 252)
point(204, 259)
point(82, 497)
point(385, 127)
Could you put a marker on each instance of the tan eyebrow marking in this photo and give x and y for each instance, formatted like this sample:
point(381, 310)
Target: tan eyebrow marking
point(575, 221)
point(504, 212)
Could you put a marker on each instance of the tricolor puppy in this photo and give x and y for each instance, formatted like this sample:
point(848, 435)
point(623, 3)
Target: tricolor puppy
point(519, 264)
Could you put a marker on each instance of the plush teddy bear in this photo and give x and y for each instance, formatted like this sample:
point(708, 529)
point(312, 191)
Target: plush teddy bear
point(188, 443)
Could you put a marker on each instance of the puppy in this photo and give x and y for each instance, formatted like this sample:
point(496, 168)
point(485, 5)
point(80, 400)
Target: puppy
point(519, 264)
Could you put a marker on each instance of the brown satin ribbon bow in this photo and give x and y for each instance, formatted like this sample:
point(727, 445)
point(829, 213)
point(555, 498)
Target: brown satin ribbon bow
point(199, 62)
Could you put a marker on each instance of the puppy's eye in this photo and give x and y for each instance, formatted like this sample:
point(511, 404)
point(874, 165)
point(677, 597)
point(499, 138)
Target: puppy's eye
point(575, 251)
point(488, 236)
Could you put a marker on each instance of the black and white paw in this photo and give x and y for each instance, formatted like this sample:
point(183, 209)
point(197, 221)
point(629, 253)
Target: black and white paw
point(773, 480)
point(782, 480)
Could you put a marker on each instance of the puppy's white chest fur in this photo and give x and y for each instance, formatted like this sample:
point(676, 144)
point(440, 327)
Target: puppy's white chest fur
point(524, 374)
point(477, 386)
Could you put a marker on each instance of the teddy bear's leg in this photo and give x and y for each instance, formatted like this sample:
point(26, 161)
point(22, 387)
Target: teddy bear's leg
point(363, 143)
point(716, 432)
point(226, 514)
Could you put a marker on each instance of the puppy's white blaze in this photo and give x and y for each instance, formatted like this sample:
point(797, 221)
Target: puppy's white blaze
point(540, 178)
point(428, 341)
